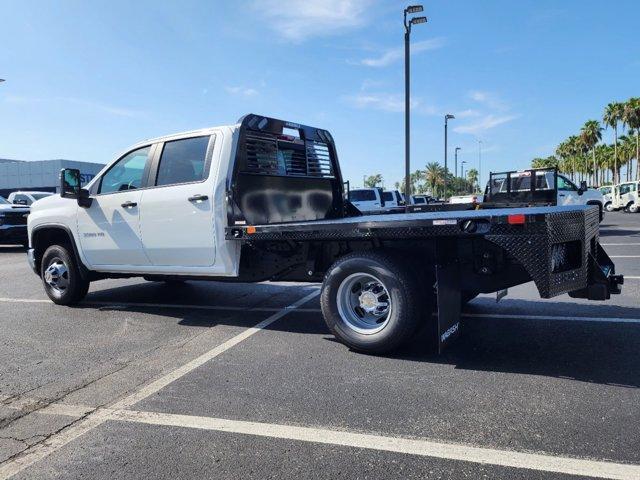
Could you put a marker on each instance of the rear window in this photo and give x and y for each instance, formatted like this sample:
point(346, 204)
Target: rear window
point(419, 200)
point(183, 161)
point(362, 195)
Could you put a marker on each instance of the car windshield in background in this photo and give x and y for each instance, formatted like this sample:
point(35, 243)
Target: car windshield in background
point(3, 201)
point(38, 196)
point(362, 195)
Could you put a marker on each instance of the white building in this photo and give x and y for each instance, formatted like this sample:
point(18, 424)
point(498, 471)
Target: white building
point(41, 175)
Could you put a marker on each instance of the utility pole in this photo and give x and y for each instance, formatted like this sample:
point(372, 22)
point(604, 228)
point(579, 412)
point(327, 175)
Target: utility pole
point(479, 163)
point(407, 94)
point(447, 117)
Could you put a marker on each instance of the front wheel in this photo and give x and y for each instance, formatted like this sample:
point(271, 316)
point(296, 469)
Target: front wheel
point(608, 207)
point(370, 302)
point(61, 277)
point(633, 208)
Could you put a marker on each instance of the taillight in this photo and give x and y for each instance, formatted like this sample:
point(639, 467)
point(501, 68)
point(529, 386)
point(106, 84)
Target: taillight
point(516, 219)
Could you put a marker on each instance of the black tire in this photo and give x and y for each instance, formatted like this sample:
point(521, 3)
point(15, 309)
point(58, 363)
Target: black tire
point(75, 287)
point(403, 317)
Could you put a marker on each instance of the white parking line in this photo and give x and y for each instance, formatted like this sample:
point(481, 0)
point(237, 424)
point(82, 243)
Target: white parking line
point(98, 417)
point(619, 244)
point(624, 256)
point(410, 446)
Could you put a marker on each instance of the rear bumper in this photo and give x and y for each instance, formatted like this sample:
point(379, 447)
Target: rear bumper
point(14, 234)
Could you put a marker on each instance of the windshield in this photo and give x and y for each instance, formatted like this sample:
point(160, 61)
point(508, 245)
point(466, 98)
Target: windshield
point(3, 201)
point(38, 196)
point(362, 195)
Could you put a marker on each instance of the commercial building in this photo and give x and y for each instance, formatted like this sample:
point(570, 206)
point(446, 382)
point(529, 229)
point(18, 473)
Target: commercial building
point(41, 175)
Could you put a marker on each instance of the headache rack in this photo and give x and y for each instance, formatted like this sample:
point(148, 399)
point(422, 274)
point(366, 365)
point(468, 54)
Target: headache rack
point(536, 186)
point(283, 172)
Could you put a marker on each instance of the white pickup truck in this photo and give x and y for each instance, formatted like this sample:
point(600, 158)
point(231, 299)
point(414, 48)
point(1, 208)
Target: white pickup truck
point(264, 199)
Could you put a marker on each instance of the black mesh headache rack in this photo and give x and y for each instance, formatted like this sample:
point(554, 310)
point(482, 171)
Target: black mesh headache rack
point(289, 212)
point(536, 186)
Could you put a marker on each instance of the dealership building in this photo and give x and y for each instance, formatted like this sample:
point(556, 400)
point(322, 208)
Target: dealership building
point(40, 175)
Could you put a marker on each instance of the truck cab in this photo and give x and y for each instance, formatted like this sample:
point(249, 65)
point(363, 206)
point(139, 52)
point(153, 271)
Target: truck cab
point(624, 196)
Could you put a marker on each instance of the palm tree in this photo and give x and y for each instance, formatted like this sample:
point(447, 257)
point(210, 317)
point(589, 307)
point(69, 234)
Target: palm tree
point(472, 177)
point(591, 134)
point(434, 175)
point(372, 181)
point(631, 116)
point(613, 114)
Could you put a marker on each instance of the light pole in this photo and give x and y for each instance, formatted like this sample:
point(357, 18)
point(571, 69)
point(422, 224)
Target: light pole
point(479, 162)
point(407, 93)
point(461, 168)
point(455, 170)
point(447, 117)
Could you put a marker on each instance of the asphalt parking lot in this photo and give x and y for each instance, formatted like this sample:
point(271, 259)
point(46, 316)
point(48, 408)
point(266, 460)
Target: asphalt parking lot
point(212, 380)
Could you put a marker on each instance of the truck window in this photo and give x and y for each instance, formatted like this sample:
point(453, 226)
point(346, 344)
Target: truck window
point(126, 173)
point(419, 200)
point(183, 161)
point(565, 184)
point(387, 196)
point(627, 187)
point(362, 195)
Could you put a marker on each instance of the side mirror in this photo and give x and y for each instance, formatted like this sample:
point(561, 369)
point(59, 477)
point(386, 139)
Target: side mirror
point(583, 187)
point(69, 183)
point(70, 187)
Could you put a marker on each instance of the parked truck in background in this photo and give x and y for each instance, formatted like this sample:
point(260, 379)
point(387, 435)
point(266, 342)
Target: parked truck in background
point(13, 223)
point(254, 202)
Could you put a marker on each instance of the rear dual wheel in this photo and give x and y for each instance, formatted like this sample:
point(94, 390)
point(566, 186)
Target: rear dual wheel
point(370, 302)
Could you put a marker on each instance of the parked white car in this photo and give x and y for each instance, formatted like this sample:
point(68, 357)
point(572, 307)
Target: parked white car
point(367, 199)
point(27, 198)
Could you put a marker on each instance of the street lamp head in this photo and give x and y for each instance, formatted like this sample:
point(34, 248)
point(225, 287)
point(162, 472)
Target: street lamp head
point(458, 148)
point(448, 116)
point(414, 9)
point(417, 20)
point(1, 80)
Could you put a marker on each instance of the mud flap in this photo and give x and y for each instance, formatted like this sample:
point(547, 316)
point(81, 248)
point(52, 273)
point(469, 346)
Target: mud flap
point(449, 304)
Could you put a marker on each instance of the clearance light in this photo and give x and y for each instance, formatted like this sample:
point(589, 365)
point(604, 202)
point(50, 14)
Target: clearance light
point(516, 219)
point(251, 229)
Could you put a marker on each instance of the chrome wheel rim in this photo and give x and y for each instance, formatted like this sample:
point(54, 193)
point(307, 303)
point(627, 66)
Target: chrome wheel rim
point(56, 276)
point(364, 303)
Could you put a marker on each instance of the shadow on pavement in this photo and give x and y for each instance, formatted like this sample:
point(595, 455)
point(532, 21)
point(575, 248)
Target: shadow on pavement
point(604, 353)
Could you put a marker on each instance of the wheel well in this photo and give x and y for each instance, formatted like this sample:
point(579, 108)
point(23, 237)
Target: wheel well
point(596, 202)
point(43, 238)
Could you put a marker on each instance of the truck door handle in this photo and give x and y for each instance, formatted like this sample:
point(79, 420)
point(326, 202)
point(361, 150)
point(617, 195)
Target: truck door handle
point(198, 198)
point(561, 195)
point(129, 205)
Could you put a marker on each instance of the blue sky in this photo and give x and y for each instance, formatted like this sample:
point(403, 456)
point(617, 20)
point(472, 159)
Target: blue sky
point(86, 79)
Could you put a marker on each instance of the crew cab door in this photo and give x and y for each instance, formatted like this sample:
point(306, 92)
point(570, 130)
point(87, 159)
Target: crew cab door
point(177, 217)
point(109, 230)
point(567, 192)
